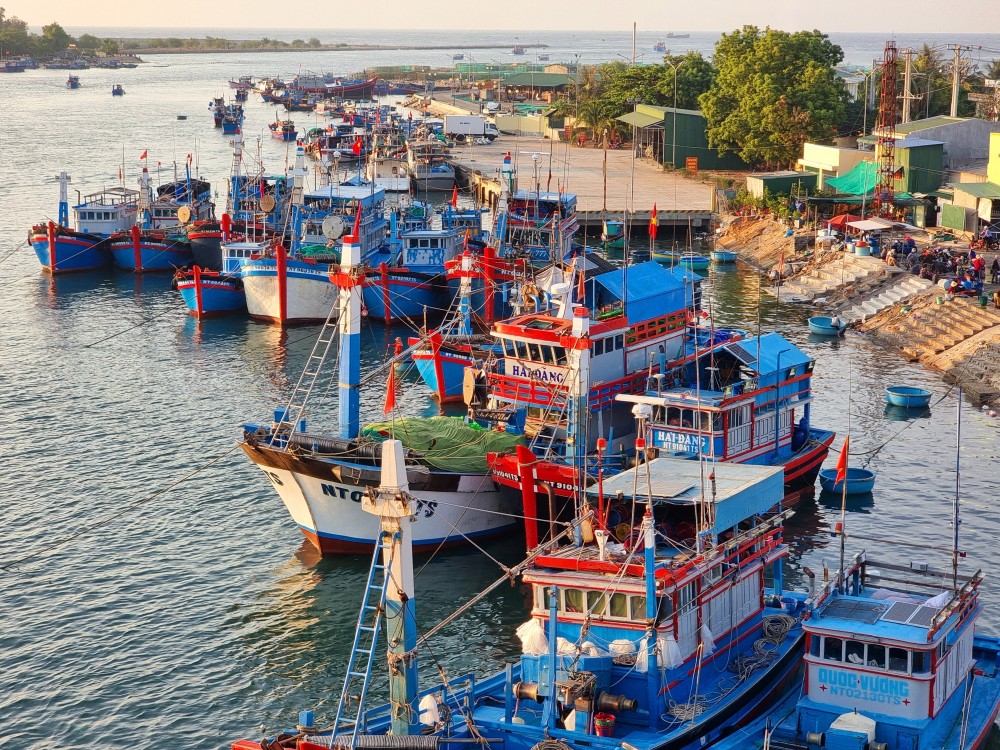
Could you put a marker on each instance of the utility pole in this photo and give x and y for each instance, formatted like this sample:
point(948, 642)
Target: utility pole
point(955, 80)
point(633, 43)
point(907, 97)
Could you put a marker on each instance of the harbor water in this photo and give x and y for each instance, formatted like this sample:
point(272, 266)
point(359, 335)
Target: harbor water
point(154, 589)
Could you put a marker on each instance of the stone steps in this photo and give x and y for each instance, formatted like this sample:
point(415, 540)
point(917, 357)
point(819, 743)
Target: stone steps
point(897, 289)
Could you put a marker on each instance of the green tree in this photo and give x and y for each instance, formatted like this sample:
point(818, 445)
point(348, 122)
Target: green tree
point(314, 42)
point(55, 38)
point(88, 42)
point(110, 47)
point(773, 91)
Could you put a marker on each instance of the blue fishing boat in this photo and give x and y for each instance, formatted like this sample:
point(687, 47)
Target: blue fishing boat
point(61, 248)
point(232, 119)
point(907, 396)
point(73, 82)
point(209, 294)
point(893, 660)
point(858, 481)
point(218, 108)
point(660, 47)
point(667, 641)
point(724, 256)
point(738, 399)
point(282, 130)
point(117, 90)
point(822, 325)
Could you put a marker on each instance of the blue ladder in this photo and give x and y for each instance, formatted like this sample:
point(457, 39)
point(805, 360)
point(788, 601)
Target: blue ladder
point(359, 665)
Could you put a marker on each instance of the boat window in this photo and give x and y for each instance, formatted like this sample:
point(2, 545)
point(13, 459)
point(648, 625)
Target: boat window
point(716, 422)
point(560, 355)
point(673, 416)
point(639, 607)
point(619, 606)
point(572, 600)
point(920, 662)
point(549, 355)
point(520, 350)
point(597, 602)
point(706, 421)
point(833, 649)
point(876, 656)
point(620, 341)
point(598, 347)
point(687, 595)
point(534, 352)
point(854, 652)
point(714, 574)
point(898, 659)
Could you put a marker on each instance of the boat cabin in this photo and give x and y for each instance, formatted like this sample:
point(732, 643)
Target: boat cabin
point(741, 399)
point(342, 202)
point(109, 211)
point(894, 643)
point(428, 250)
point(538, 224)
point(650, 607)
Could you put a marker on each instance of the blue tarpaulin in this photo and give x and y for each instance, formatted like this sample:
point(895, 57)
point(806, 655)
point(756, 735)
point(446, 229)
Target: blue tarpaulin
point(652, 290)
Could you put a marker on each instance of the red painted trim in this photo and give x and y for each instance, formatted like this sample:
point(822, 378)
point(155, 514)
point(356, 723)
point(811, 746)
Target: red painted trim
point(136, 248)
point(384, 281)
point(438, 369)
point(199, 308)
point(489, 258)
point(52, 246)
point(281, 266)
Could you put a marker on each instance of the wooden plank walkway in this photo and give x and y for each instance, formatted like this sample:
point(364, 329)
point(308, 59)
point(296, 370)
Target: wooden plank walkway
point(631, 184)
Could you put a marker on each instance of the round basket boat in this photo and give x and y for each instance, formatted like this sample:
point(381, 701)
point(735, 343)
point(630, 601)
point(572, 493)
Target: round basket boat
point(694, 262)
point(723, 256)
point(907, 396)
point(823, 326)
point(859, 481)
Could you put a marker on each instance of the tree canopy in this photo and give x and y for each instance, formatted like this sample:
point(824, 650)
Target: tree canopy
point(773, 91)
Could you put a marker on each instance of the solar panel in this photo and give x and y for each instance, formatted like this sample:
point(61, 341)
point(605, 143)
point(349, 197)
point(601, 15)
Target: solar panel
point(923, 617)
point(900, 612)
point(857, 610)
point(742, 354)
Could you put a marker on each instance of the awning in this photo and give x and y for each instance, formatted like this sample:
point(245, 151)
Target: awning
point(871, 225)
point(640, 120)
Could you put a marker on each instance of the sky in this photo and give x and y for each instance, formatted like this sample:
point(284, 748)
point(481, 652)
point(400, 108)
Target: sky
point(526, 15)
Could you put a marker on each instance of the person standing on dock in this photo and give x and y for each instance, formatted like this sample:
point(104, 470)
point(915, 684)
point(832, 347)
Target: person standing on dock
point(995, 271)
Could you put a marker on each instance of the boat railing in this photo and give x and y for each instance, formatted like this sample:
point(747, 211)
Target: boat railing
point(526, 390)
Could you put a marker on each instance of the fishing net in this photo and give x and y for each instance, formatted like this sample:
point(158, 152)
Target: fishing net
point(446, 443)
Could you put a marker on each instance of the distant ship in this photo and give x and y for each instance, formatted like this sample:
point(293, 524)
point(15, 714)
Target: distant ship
point(672, 35)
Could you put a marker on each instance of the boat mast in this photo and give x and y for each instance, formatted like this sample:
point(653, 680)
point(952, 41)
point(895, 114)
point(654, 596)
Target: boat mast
point(64, 181)
point(579, 394)
point(958, 489)
point(391, 504)
point(350, 333)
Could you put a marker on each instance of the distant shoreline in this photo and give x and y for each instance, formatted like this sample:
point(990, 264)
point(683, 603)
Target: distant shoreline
point(322, 48)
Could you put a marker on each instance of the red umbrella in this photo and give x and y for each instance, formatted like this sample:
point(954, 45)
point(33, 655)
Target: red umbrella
point(840, 221)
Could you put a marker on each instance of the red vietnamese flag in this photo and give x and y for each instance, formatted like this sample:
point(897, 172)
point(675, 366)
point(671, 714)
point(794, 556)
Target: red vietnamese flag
point(454, 197)
point(842, 462)
point(390, 394)
point(653, 224)
point(143, 154)
point(357, 147)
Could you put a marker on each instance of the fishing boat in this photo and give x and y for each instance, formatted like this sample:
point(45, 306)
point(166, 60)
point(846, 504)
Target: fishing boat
point(668, 642)
point(612, 233)
point(458, 56)
point(694, 261)
point(283, 130)
point(117, 90)
point(428, 165)
point(543, 58)
point(61, 248)
point(73, 82)
point(295, 285)
point(822, 325)
point(218, 108)
point(322, 479)
point(243, 82)
point(241, 95)
point(517, 50)
point(907, 396)
point(744, 400)
point(660, 47)
point(209, 294)
point(724, 256)
point(893, 659)
point(144, 248)
point(232, 119)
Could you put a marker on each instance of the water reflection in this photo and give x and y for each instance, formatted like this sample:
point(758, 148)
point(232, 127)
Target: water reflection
point(905, 414)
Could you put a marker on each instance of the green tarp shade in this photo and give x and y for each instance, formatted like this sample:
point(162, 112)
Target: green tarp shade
point(446, 443)
point(978, 189)
point(899, 199)
point(859, 181)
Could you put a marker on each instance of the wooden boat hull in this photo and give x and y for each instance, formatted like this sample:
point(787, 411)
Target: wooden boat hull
point(208, 294)
point(149, 252)
point(306, 295)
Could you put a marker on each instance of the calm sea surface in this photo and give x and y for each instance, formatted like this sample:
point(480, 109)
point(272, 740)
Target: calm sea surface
point(185, 614)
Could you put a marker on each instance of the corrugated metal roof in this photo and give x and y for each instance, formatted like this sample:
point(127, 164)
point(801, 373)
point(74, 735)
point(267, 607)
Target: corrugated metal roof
point(916, 143)
point(978, 189)
point(931, 122)
point(652, 290)
point(539, 80)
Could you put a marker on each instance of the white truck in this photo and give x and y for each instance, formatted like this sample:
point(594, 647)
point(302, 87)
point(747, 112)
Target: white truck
point(462, 127)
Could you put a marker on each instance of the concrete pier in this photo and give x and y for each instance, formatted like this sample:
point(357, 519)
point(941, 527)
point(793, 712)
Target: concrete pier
point(632, 185)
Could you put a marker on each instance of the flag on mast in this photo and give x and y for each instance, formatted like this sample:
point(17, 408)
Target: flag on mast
point(842, 462)
point(390, 394)
point(653, 224)
point(143, 154)
point(454, 197)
